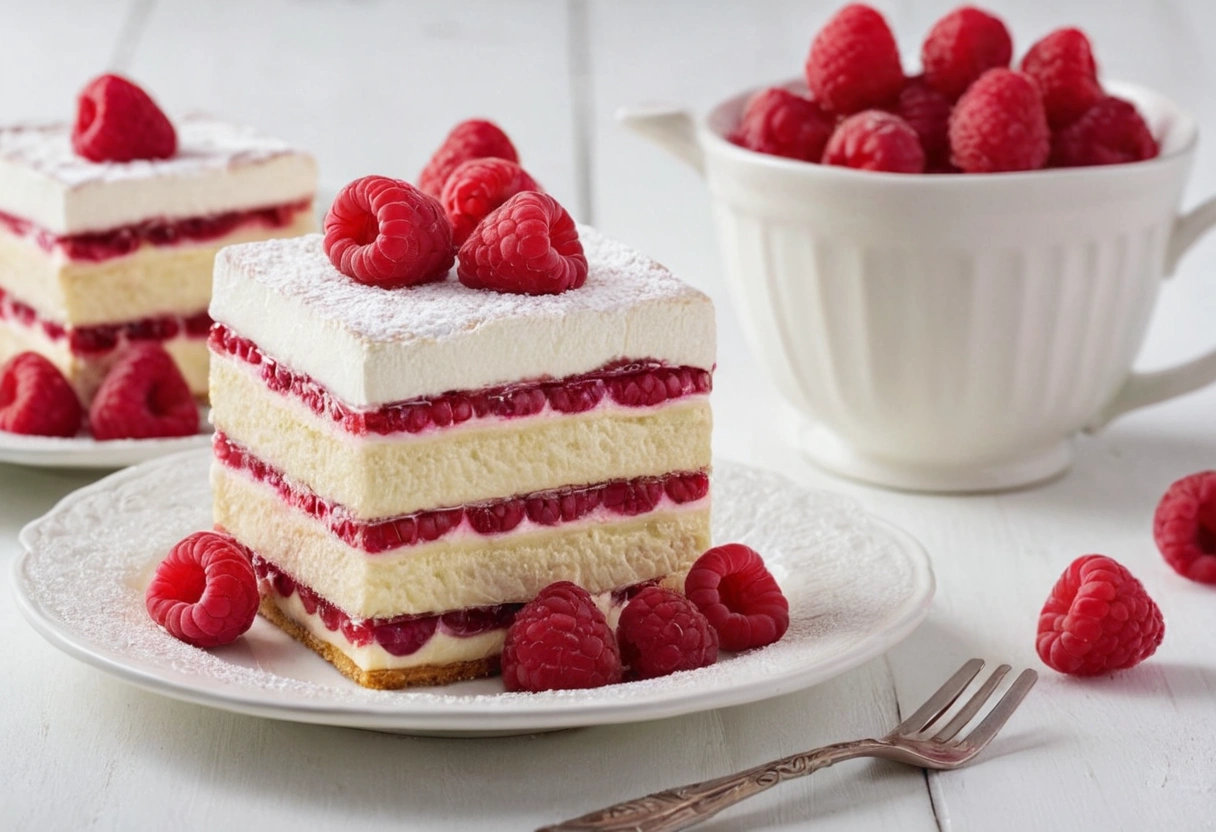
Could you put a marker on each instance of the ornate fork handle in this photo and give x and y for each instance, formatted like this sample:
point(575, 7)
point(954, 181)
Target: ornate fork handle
point(684, 806)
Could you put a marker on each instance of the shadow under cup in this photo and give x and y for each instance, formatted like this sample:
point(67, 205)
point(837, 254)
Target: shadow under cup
point(951, 332)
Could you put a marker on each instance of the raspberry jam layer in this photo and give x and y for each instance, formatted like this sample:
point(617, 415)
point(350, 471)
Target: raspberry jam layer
point(90, 341)
point(105, 245)
point(634, 383)
point(403, 635)
point(625, 498)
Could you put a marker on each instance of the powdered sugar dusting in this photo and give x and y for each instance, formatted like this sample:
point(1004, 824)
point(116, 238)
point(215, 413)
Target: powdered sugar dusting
point(618, 278)
point(204, 143)
point(854, 587)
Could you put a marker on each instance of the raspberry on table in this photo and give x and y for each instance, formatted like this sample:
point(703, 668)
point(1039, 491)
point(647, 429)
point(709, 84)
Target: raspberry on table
point(661, 632)
point(385, 232)
point(144, 396)
point(878, 141)
point(854, 63)
point(999, 125)
point(560, 640)
point(927, 112)
point(477, 187)
point(1111, 132)
point(1098, 619)
point(782, 123)
point(35, 398)
point(1062, 64)
point(528, 245)
point(116, 121)
point(472, 139)
point(961, 47)
point(740, 598)
point(1184, 527)
point(204, 592)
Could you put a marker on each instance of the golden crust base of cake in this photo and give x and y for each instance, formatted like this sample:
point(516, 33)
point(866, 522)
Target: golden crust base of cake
point(427, 675)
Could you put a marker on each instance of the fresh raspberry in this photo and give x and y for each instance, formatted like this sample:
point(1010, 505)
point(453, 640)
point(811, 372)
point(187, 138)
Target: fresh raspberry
point(560, 641)
point(144, 396)
point(778, 122)
point(36, 399)
point(1184, 527)
point(477, 187)
point(999, 125)
point(927, 111)
point(661, 631)
point(854, 64)
point(961, 47)
point(734, 590)
point(385, 232)
point(472, 139)
point(204, 592)
point(1062, 64)
point(1097, 619)
point(875, 140)
point(529, 245)
point(116, 121)
point(1110, 133)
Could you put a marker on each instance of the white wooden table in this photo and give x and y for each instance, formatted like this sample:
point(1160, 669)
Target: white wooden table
point(372, 87)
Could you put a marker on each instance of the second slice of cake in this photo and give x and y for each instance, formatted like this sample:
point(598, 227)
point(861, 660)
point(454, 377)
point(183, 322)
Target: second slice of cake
point(409, 467)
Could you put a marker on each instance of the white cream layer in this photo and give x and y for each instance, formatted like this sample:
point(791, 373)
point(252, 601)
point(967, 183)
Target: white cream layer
point(218, 167)
point(370, 346)
point(441, 648)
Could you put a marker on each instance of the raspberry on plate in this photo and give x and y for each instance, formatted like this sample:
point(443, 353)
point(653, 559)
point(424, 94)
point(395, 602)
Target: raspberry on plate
point(735, 591)
point(116, 121)
point(529, 245)
point(560, 640)
point(999, 125)
point(142, 397)
point(1098, 619)
point(854, 64)
point(472, 139)
point(35, 398)
point(385, 232)
point(927, 112)
point(1184, 527)
point(1111, 132)
point(875, 140)
point(661, 631)
point(1062, 64)
point(204, 592)
point(961, 47)
point(782, 123)
point(477, 187)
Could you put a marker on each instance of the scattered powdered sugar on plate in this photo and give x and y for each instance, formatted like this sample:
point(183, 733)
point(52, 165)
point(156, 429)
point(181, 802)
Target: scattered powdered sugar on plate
point(618, 278)
point(204, 143)
point(856, 586)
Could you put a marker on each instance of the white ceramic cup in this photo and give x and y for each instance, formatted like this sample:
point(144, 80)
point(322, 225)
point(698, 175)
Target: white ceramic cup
point(948, 333)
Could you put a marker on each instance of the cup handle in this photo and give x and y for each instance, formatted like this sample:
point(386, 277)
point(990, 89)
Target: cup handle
point(669, 127)
point(1143, 389)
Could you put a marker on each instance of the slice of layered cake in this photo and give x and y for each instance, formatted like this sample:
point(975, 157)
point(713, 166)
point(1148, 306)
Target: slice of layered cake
point(101, 250)
point(410, 466)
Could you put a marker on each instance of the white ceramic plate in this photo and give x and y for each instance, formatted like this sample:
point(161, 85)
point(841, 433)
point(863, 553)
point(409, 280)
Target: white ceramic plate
point(856, 586)
point(86, 452)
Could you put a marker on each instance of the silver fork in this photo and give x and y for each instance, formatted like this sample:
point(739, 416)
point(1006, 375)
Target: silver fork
point(910, 743)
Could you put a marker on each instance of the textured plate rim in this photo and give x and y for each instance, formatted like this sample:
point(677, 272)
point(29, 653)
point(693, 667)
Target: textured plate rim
point(487, 716)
